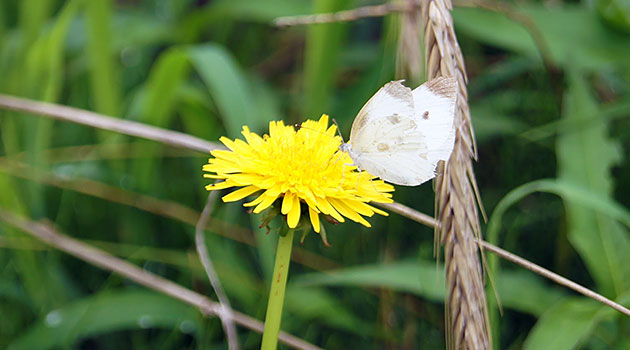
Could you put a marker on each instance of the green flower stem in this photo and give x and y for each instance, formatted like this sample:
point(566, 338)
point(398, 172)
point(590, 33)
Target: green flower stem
point(276, 292)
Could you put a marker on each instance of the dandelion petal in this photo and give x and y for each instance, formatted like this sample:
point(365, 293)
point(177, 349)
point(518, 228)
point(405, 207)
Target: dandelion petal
point(240, 193)
point(314, 219)
point(294, 213)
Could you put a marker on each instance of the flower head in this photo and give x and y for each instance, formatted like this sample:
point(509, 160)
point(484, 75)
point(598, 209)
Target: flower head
point(296, 168)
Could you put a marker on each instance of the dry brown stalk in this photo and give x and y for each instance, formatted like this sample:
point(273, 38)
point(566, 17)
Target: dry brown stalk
point(82, 153)
point(553, 276)
point(409, 213)
point(226, 314)
point(187, 215)
point(455, 186)
point(343, 16)
point(155, 206)
point(100, 121)
point(46, 233)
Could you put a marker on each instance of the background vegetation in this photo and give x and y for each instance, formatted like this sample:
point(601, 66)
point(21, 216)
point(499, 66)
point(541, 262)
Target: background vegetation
point(549, 87)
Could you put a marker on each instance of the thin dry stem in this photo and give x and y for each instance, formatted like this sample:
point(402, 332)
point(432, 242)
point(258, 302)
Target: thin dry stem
point(155, 206)
point(552, 276)
point(455, 201)
point(82, 153)
point(225, 313)
point(182, 213)
point(410, 213)
point(100, 121)
point(97, 257)
point(343, 16)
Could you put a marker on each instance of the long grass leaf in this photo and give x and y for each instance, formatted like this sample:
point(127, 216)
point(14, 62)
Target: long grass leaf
point(519, 290)
point(157, 100)
point(104, 313)
point(565, 325)
point(227, 86)
point(585, 158)
point(43, 75)
point(323, 45)
point(105, 85)
point(536, 30)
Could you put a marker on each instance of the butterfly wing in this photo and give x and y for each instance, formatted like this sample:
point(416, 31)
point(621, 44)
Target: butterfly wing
point(399, 141)
point(391, 100)
point(395, 150)
point(400, 169)
point(434, 103)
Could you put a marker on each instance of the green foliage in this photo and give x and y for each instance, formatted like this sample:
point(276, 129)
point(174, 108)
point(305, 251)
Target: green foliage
point(572, 320)
point(549, 90)
point(584, 159)
point(323, 47)
point(615, 13)
point(519, 291)
point(105, 313)
point(537, 31)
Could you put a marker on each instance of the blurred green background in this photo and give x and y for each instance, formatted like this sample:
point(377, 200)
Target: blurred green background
point(549, 86)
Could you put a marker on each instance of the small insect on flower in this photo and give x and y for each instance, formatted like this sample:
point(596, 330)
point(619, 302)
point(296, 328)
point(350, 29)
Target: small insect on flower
point(301, 171)
point(400, 135)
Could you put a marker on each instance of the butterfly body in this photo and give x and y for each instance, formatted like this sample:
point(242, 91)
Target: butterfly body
point(400, 135)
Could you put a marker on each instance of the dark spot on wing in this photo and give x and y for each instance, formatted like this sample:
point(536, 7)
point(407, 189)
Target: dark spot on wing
point(382, 147)
point(394, 119)
point(359, 121)
point(425, 116)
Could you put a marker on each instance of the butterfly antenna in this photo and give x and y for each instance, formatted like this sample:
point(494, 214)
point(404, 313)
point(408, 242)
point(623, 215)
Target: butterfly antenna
point(338, 130)
point(297, 127)
point(300, 126)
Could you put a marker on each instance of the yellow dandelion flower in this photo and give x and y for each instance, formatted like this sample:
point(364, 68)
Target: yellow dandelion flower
point(300, 167)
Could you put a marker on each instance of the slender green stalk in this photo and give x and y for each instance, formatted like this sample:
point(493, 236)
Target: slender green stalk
point(276, 292)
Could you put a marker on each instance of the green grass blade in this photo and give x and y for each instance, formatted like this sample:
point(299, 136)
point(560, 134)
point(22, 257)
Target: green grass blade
point(259, 11)
point(518, 290)
point(565, 325)
point(157, 101)
point(568, 191)
point(591, 45)
point(43, 74)
point(323, 45)
point(32, 17)
point(585, 159)
point(317, 305)
point(104, 313)
point(595, 202)
point(44, 80)
point(227, 86)
point(103, 71)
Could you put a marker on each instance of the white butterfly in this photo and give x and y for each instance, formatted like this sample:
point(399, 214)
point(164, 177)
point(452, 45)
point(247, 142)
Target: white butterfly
point(400, 135)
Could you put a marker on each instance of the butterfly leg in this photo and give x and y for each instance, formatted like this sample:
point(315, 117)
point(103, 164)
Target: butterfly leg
point(343, 174)
point(373, 186)
point(371, 180)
